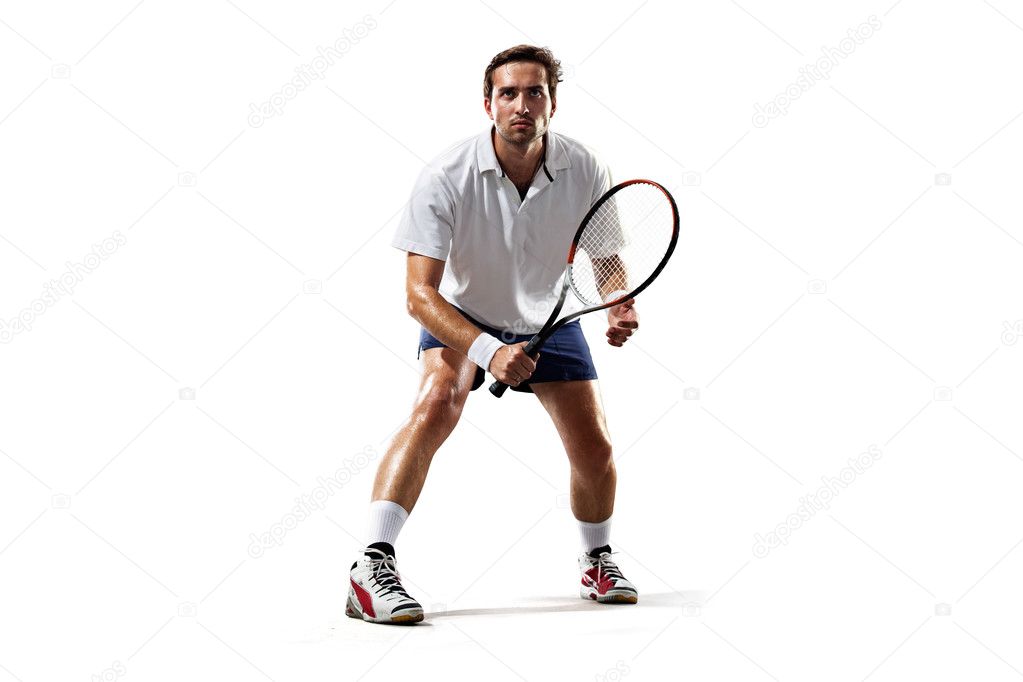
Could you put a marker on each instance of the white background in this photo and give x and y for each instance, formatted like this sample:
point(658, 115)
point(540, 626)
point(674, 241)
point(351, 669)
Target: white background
point(829, 294)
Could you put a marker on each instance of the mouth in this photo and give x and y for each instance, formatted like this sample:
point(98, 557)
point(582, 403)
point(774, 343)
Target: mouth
point(522, 123)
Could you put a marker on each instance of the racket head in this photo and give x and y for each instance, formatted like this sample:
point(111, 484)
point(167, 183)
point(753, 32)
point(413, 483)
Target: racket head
point(623, 243)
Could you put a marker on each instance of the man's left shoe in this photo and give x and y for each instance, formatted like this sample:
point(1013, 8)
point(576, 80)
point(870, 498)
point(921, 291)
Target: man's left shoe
point(602, 581)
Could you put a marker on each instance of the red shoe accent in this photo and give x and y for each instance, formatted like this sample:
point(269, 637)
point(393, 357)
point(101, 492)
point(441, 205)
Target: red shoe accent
point(603, 586)
point(365, 601)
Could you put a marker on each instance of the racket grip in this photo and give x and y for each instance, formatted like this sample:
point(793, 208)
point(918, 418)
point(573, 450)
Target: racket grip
point(498, 389)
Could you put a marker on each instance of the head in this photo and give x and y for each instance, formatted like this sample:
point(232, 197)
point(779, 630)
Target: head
point(520, 92)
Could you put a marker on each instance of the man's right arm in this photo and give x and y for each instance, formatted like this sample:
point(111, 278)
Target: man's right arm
point(425, 304)
point(430, 309)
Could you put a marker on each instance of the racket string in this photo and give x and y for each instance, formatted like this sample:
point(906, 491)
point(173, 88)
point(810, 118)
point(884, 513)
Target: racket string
point(623, 242)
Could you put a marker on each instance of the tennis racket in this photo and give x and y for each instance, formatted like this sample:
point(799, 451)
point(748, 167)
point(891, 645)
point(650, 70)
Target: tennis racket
point(623, 243)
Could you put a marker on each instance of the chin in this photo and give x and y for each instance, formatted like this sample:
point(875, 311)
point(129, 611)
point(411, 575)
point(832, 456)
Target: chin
point(515, 135)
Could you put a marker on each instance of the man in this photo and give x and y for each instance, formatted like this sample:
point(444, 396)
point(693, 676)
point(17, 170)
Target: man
point(487, 232)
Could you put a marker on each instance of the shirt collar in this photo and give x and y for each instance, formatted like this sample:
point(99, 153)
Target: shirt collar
point(486, 157)
point(556, 158)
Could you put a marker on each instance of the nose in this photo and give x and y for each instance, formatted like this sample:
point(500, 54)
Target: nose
point(521, 104)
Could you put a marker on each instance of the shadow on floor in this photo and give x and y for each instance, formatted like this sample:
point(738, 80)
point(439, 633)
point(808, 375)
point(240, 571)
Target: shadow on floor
point(670, 600)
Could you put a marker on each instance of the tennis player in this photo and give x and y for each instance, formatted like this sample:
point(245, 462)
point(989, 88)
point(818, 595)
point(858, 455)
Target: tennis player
point(487, 232)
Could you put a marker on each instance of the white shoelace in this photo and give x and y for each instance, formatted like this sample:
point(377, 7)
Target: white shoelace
point(385, 574)
point(607, 567)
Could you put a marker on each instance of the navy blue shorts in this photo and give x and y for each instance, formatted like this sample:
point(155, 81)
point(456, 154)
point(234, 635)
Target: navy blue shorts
point(564, 357)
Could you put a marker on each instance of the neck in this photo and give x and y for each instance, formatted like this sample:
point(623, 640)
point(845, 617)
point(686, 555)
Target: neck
point(517, 160)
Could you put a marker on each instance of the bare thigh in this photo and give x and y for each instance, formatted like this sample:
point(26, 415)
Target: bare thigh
point(443, 389)
point(578, 414)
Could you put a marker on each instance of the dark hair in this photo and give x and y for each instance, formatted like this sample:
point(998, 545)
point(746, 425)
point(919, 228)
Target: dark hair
point(525, 53)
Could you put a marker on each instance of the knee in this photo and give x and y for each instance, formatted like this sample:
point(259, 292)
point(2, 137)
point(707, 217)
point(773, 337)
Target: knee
point(593, 459)
point(441, 401)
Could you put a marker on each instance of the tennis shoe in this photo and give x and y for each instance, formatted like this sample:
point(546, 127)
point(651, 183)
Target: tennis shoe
point(602, 580)
point(375, 592)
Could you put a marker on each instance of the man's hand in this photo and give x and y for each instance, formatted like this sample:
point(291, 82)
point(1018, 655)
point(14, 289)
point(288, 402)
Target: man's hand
point(623, 321)
point(511, 365)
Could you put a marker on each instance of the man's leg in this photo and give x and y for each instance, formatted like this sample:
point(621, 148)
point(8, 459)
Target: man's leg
point(447, 379)
point(578, 414)
point(376, 593)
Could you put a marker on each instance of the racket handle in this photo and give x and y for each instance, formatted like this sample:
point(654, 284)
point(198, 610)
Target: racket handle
point(498, 389)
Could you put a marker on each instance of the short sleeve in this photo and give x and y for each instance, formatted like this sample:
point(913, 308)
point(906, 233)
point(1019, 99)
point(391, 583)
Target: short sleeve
point(427, 222)
point(601, 182)
point(604, 238)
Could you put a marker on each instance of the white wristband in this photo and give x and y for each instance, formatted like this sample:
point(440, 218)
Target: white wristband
point(483, 349)
point(615, 294)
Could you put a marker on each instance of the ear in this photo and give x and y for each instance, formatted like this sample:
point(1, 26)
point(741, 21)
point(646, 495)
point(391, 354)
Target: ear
point(554, 106)
point(486, 106)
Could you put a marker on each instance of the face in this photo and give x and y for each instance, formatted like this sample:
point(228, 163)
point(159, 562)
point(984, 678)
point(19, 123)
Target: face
point(520, 103)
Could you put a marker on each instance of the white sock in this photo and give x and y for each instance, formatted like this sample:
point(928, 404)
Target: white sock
point(385, 521)
point(595, 534)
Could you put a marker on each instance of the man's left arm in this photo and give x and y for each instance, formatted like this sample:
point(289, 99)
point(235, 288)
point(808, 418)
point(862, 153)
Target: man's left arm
point(622, 319)
point(612, 278)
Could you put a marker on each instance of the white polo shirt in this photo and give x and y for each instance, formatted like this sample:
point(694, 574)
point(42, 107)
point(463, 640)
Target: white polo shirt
point(504, 256)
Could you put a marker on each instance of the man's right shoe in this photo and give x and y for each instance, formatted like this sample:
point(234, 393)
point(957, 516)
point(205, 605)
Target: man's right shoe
point(375, 593)
point(603, 581)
